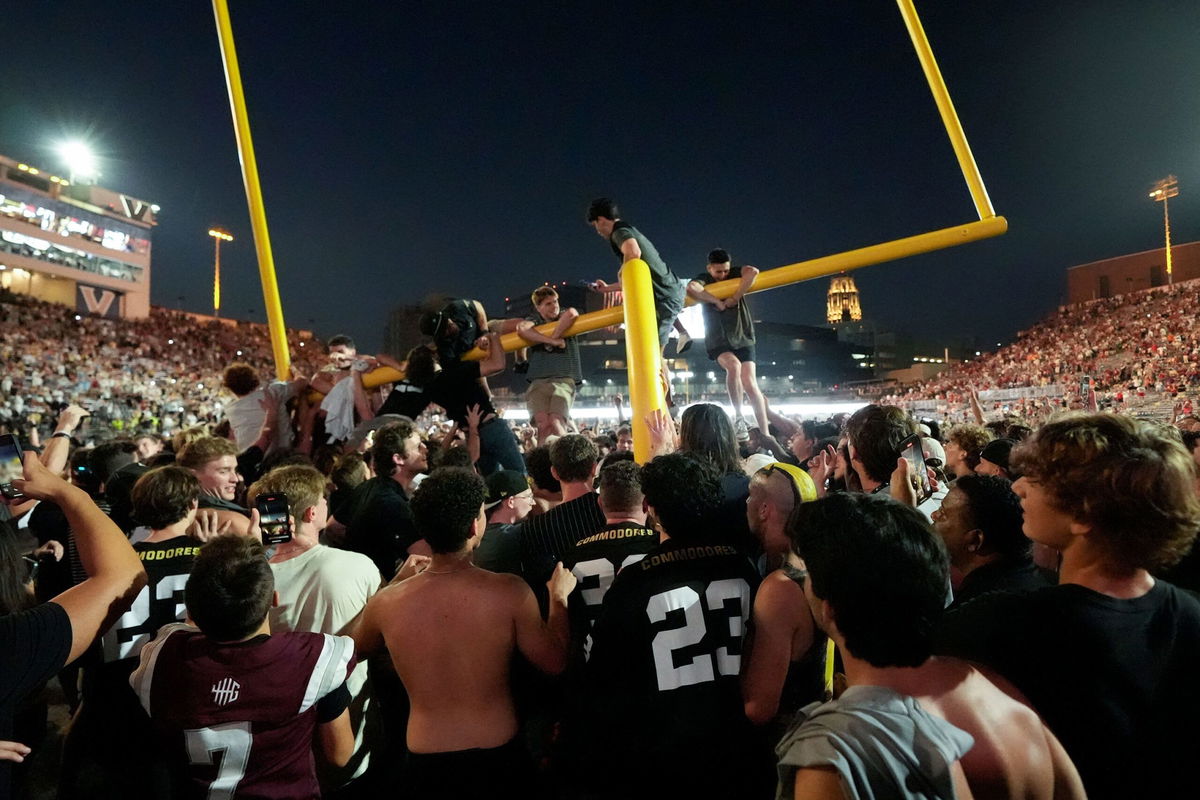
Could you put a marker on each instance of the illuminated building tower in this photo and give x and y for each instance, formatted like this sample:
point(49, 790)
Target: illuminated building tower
point(842, 301)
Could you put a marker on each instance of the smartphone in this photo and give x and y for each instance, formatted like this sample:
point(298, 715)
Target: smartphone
point(910, 448)
point(1085, 387)
point(274, 518)
point(11, 467)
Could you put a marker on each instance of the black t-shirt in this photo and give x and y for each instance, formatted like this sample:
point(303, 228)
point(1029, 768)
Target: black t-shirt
point(34, 645)
point(462, 313)
point(406, 399)
point(732, 327)
point(379, 523)
point(456, 387)
point(499, 548)
point(1116, 680)
point(1017, 575)
point(663, 674)
point(221, 504)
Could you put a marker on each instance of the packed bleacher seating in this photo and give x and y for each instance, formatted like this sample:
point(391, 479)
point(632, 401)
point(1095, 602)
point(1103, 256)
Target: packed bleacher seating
point(1141, 349)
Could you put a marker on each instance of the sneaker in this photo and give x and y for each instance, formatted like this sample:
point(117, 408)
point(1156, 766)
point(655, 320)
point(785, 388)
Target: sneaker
point(741, 430)
point(682, 344)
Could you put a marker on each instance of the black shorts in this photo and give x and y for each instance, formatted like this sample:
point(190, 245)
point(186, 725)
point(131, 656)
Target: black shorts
point(743, 353)
point(471, 773)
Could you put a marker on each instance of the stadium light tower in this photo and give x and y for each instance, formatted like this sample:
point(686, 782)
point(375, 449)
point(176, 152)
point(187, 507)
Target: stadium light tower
point(1166, 188)
point(219, 236)
point(79, 159)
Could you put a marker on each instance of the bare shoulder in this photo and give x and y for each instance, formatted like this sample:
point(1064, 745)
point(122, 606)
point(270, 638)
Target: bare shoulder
point(512, 587)
point(779, 592)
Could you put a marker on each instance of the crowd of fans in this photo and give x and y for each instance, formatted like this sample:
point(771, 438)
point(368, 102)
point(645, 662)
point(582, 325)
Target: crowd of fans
point(159, 374)
point(1140, 349)
point(316, 588)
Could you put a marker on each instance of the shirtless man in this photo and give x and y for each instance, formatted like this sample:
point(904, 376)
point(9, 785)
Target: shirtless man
point(877, 579)
point(784, 658)
point(451, 631)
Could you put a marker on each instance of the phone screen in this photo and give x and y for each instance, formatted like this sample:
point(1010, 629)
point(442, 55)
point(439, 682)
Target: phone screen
point(1085, 387)
point(11, 468)
point(911, 450)
point(274, 518)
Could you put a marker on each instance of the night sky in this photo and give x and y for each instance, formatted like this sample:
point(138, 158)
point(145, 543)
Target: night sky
point(409, 148)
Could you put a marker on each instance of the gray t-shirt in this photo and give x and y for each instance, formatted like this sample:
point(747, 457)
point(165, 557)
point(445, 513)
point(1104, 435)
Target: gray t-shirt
point(544, 363)
point(732, 327)
point(668, 291)
point(882, 744)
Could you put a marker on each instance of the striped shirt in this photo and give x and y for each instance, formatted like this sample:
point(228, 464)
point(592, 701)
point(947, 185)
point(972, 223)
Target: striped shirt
point(550, 537)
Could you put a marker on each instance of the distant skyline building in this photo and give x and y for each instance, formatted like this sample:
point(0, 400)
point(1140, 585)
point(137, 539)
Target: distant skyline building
point(841, 302)
point(78, 245)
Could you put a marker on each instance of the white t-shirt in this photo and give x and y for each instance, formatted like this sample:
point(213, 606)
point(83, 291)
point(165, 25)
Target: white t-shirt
point(246, 416)
point(323, 590)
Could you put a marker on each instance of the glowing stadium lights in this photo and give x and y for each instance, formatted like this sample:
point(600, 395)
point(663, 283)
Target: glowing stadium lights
point(1166, 188)
point(219, 236)
point(79, 159)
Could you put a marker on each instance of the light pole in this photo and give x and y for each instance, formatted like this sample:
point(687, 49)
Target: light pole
point(1166, 188)
point(219, 236)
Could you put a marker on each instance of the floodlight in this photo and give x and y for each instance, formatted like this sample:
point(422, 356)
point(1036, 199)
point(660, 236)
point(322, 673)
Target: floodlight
point(79, 158)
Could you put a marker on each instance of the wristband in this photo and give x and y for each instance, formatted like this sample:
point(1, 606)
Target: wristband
point(60, 434)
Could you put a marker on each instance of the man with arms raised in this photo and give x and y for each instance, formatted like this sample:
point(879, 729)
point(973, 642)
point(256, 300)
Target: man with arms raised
point(36, 644)
point(729, 339)
point(452, 631)
point(321, 590)
point(910, 724)
point(1109, 657)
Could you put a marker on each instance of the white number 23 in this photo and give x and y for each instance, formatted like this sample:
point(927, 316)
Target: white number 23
point(703, 667)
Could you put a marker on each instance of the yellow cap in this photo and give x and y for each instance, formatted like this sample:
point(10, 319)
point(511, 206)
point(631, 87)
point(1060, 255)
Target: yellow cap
point(805, 488)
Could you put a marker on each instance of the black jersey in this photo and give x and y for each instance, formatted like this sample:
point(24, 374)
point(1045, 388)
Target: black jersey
point(663, 675)
point(159, 603)
point(595, 561)
point(111, 734)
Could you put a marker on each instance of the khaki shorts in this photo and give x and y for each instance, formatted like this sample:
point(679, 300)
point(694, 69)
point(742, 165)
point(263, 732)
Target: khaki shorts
point(550, 396)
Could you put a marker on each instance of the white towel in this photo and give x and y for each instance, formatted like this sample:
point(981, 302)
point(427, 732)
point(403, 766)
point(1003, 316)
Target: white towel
point(338, 406)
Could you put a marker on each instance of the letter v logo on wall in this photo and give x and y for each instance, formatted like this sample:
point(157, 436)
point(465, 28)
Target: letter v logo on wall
point(134, 208)
point(97, 300)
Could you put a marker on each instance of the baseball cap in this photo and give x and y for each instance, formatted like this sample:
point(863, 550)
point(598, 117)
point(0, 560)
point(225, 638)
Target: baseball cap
point(433, 323)
point(504, 484)
point(997, 451)
point(932, 448)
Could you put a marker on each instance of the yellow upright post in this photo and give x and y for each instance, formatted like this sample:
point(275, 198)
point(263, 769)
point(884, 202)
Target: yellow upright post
point(642, 355)
point(941, 96)
point(258, 214)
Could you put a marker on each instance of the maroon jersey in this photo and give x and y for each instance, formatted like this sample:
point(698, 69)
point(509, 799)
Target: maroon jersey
point(244, 714)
